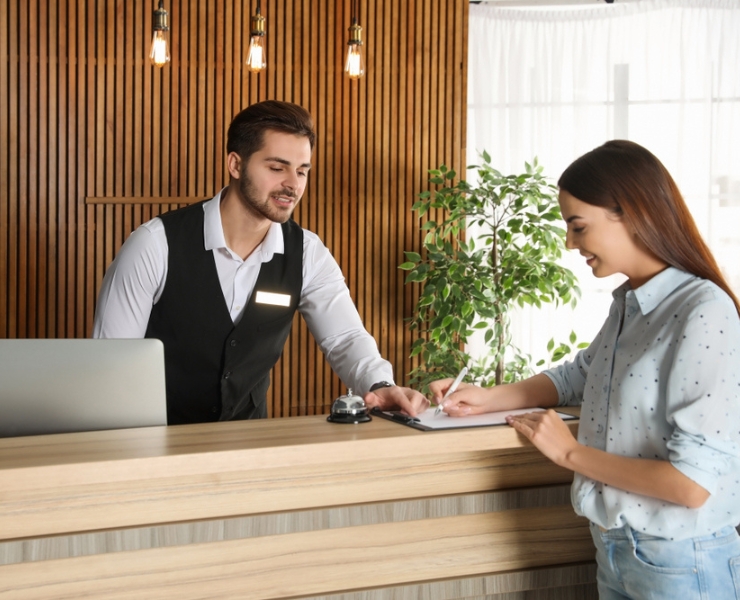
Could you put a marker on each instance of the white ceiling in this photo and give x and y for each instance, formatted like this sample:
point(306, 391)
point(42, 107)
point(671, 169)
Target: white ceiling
point(524, 3)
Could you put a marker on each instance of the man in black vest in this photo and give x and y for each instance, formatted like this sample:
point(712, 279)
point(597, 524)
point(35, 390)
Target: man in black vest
point(219, 282)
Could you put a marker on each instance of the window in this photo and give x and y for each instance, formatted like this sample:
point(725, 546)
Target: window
point(556, 84)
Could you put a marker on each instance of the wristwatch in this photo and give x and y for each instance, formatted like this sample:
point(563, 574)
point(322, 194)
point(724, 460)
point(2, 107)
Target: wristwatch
point(381, 384)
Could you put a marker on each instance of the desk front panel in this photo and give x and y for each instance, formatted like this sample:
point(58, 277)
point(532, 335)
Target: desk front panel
point(214, 510)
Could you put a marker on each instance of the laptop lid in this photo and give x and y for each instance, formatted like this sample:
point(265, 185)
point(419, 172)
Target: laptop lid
point(66, 385)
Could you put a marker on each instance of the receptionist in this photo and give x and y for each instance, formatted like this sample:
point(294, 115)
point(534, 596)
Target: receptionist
point(219, 282)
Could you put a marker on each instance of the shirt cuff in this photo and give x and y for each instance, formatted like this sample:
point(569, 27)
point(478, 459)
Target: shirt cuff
point(562, 398)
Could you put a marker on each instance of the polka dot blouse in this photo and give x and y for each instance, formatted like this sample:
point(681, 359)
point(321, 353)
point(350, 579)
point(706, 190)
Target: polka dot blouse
point(661, 380)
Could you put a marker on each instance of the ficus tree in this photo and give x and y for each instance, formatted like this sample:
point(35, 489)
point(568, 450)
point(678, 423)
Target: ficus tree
point(470, 283)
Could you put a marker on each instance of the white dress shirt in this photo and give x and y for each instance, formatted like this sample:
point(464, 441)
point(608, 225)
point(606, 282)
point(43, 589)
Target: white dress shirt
point(135, 280)
point(661, 381)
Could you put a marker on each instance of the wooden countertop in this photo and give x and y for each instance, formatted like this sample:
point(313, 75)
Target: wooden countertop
point(95, 480)
point(74, 487)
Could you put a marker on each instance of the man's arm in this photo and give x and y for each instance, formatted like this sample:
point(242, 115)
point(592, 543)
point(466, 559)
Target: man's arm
point(132, 284)
point(336, 325)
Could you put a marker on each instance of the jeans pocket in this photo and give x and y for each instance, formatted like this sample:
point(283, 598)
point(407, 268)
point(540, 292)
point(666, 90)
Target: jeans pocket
point(668, 558)
point(735, 569)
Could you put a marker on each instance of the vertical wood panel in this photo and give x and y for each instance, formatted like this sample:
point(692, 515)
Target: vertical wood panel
point(8, 110)
point(19, 294)
point(72, 169)
point(83, 113)
point(5, 153)
point(59, 193)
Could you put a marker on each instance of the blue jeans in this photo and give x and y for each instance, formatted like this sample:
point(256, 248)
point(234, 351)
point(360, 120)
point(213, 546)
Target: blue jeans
point(644, 567)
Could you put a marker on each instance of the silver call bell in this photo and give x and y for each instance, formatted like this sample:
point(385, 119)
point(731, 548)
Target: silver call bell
point(349, 409)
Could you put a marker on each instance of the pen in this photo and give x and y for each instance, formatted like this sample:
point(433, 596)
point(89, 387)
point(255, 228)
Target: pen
point(451, 389)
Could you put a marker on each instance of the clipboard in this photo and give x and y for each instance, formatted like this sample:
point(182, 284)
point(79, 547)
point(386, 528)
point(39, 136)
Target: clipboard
point(426, 421)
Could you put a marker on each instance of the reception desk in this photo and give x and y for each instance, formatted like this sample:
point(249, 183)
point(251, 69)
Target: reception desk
point(288, 508)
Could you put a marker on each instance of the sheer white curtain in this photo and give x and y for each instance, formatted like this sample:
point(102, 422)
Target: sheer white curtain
point(557, 83)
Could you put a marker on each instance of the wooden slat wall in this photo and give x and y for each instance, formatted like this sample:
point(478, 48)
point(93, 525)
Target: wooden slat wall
point(84, 115)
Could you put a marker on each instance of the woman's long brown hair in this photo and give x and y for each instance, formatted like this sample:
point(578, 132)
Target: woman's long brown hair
point(630, 181)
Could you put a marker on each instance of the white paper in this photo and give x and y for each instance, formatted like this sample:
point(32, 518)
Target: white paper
point(445, 421)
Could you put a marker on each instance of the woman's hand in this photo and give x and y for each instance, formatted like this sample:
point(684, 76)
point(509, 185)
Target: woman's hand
point(547, 431)
point(467, 400)
point(654, 478)
point(537, 391)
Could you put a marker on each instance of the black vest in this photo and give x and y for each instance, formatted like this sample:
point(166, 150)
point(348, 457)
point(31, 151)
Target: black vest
point(216, 371)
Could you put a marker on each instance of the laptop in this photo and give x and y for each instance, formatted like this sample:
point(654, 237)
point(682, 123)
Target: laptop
point(69, 385)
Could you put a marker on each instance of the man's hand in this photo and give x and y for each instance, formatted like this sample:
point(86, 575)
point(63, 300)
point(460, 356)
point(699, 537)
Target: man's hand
point(406, 400)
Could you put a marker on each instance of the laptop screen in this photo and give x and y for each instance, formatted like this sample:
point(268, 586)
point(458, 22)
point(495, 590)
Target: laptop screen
point(66, 385)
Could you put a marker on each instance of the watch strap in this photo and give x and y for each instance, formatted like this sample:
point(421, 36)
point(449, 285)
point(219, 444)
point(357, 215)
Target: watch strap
point(381, 384)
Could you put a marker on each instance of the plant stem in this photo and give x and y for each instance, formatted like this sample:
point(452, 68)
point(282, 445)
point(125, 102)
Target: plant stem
point(499, 376)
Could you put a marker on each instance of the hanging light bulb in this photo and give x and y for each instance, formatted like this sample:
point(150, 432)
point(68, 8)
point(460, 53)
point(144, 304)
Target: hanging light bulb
point(160, 53)
point(355, 65)
point(256, 59)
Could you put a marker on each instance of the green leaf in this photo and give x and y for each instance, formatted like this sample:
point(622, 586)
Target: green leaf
point(560, 353)
point(425, 301)
point(470, 283)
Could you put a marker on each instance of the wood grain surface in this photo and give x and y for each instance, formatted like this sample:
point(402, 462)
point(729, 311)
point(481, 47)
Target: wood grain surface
point(99, 480)
point(316, 562)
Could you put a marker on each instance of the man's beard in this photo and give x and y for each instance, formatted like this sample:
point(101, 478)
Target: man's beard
point(263, 208)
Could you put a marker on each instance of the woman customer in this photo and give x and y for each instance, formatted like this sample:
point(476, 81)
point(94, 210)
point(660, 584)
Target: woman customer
point(657, 459)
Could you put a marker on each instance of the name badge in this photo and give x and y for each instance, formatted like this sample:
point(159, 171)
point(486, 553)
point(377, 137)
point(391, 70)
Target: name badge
point(274, 299)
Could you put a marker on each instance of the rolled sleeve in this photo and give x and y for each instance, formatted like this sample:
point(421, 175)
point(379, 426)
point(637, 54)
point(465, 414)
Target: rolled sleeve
point(569, 381)
point(702, 460)
point(570, 377)
point(702, 393)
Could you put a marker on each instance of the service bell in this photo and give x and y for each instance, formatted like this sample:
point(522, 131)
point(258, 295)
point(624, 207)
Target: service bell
point(349, 409)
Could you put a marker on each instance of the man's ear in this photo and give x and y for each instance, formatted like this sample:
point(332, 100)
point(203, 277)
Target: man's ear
point(233, 162)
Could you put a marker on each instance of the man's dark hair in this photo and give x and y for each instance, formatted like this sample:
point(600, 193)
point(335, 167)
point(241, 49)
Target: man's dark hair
point(247, 131)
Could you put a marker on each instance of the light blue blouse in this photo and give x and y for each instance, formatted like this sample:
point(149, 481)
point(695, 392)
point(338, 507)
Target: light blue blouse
point(667, 386)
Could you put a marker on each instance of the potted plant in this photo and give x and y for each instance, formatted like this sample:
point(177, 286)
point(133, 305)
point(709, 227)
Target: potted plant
point(471, 282)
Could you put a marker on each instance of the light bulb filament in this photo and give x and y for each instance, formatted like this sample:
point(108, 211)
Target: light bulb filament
point(256, 56)
point(354, 66)
point(160, 54)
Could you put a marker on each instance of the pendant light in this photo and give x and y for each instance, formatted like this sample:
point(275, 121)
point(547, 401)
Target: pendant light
point(355, 64)
point(160, 52)
point(256, 59)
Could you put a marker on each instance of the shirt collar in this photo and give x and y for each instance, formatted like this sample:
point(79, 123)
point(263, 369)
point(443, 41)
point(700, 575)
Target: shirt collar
point(213, 232)
point(650, 294)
